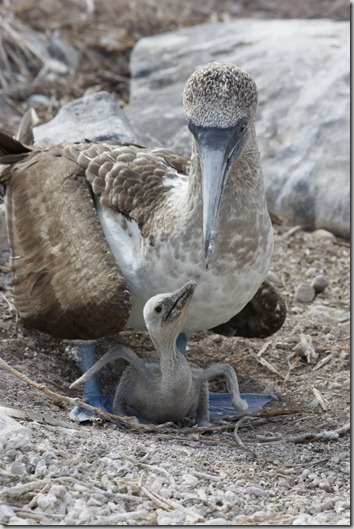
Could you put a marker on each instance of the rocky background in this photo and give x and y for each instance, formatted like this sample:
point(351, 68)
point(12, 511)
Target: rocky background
point(290, 463)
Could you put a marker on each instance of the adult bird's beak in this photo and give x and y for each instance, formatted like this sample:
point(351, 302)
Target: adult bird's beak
point(217, 149)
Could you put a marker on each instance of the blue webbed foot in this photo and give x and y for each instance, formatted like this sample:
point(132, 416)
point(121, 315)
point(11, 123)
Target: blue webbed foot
point(92, 388)
point(220, 404)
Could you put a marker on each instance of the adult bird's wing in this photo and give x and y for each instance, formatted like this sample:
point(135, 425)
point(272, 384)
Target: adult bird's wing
point(261, 317)
point(129, 179)
point(65, 279)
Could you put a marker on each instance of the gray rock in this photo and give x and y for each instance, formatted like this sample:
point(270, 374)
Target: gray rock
point(305, 293)
point(12, 434)
point(301, 68)
point(319, 283)
point(93, 117)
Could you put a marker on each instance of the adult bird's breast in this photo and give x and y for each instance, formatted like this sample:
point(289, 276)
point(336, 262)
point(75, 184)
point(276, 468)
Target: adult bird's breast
point(166, 262)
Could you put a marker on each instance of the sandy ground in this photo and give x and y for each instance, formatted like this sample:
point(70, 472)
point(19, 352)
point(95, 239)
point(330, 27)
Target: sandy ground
point(292, 466)
point(289, 464)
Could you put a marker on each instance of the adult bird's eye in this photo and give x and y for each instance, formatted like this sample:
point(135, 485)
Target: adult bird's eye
point(158, 308)
point(243, 126)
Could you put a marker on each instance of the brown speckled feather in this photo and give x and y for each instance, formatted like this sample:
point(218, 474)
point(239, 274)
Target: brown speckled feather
point(263, 316)
point(128, 178)
point(65, 279)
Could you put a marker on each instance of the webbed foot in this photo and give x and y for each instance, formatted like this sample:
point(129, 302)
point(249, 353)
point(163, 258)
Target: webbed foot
point(220, 404)
point(92, 388)
point(81, 415)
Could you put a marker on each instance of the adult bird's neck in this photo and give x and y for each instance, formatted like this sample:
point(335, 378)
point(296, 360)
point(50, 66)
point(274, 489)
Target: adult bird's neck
point(243, 200)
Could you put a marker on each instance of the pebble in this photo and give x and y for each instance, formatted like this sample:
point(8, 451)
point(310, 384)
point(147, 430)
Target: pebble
point(311, 272)
point(273, 278)
point(41, 468)
point(323, 234)
point(217, 521)
point(170, 518)
point(254, 491)
point(229, 497)
point(258, 516)
point(319, 283)
point(17, 468)
point(341, 506)
point(15, 520)
point(320, 507)
point(38, 99)
point(305, 473)
point(305, 293)
point(189, 480)
point(325, 485)
point(45, 501)
point(5, 513)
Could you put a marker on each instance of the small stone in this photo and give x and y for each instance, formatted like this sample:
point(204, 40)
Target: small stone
point(341, 506)
point(170, 518)
point(189, 480)
point(217, 521)
point(323, 234)
point(254, 491)
point(41, 468)
point(258, 516)
point(320, 507)
point(45, 501)
point(36, 100)
point(5, 514)
point(311, 272)
point(140, 449)
point(319, 283)
point(15, 520)
point(302, 519)
point(58, 490)
point(325, 485)
point(312, 476)
point(18, 469)
point(305, 293)
point(230, 497)
point(273, 278)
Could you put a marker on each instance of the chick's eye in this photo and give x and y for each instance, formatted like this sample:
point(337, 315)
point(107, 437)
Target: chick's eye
point(158, 308)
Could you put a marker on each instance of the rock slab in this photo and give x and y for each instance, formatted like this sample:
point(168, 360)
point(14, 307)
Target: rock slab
point(301, 68)
point(95, 117)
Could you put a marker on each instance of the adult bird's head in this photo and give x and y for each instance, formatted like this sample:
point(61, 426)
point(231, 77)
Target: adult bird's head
point(220, 102)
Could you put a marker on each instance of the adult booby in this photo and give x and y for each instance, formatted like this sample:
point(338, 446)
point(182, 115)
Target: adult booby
point(165, 220)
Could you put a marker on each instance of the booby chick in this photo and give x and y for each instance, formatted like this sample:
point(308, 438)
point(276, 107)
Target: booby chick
point(165, 387)
point(97, 229)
